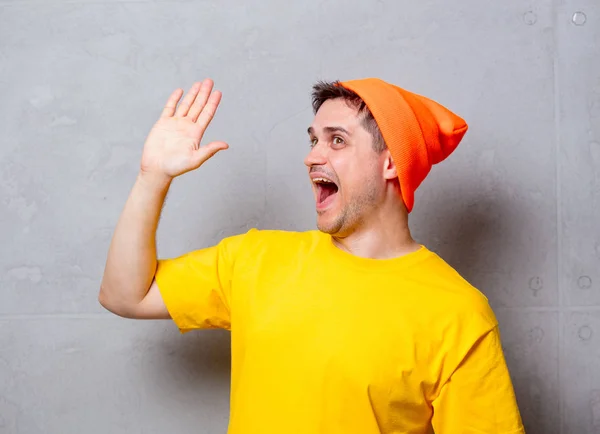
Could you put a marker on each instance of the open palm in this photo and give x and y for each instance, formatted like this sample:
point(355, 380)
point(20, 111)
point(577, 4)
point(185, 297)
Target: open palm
point(173, 145)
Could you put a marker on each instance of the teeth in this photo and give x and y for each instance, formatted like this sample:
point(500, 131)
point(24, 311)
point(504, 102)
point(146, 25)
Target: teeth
point(322, 180)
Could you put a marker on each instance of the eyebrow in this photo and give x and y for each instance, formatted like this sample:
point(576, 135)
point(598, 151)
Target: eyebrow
point(330, 130)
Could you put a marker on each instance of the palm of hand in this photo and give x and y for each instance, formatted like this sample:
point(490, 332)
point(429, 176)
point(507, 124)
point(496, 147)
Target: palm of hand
point(173, 145)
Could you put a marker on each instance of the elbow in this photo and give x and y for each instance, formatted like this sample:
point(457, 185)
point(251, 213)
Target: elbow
point(105, 300)
point(111, 304)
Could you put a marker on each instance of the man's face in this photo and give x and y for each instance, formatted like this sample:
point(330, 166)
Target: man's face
point(346, 172)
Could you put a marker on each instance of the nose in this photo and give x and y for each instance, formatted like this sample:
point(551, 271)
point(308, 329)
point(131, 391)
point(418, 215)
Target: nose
point(317, 156)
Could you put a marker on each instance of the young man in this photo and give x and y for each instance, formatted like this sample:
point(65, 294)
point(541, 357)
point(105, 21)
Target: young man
point(352, 328)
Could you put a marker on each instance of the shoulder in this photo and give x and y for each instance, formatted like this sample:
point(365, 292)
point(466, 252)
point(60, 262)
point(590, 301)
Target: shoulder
point(455, 298)
point(459, 315)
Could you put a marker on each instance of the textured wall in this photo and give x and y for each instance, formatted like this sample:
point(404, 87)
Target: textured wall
point(516, 209)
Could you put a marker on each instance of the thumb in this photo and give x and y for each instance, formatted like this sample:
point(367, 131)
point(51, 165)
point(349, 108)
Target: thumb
point(207, 151)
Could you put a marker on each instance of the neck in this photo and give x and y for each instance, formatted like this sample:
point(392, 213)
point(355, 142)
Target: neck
point(380, 238)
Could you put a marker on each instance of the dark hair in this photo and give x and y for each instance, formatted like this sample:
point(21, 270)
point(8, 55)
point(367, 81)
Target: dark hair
point(324, 90)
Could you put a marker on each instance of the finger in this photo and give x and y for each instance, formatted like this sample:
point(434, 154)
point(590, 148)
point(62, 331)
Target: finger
point(208, 112)
point(201, 99)
point(169, 109)
point(207, 151)
point(183, 108)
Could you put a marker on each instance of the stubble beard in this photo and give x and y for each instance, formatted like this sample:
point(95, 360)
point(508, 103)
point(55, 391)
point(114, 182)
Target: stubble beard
point(352, 215)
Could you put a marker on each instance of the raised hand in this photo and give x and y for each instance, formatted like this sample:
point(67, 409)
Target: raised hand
point(173, 145)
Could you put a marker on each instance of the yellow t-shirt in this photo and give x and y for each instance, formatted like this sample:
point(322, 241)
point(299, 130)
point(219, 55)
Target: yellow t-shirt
point(327, 342)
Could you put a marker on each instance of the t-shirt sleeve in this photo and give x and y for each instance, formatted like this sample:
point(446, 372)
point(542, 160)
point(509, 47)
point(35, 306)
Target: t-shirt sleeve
point(196, 287)
point(479, 396)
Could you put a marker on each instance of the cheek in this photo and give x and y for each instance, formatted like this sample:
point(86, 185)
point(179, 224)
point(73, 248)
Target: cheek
point(365, 179)
point(355, 179)
point(345, 172)
point(355, 172)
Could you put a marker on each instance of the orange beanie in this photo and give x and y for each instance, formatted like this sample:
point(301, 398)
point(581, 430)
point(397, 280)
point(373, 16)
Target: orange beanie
point(418, 132)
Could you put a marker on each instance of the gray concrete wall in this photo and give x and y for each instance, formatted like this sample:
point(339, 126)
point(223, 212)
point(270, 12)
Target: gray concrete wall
point(516, 209)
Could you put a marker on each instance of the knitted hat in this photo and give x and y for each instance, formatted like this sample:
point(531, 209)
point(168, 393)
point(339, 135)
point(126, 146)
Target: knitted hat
point(418, 132)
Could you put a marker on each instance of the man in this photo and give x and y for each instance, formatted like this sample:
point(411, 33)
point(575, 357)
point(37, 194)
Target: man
point(352, 328)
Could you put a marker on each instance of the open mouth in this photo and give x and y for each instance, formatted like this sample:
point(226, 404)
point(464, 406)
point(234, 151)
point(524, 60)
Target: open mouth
point(326, 190)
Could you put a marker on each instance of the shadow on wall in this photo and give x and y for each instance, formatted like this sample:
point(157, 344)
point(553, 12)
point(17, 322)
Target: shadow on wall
point(192, 367)
point(203, 352)
point(470, 236)
point(479, 236)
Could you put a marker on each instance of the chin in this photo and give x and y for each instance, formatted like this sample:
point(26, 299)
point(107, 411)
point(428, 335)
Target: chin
point(326, 229)
point(329, 224)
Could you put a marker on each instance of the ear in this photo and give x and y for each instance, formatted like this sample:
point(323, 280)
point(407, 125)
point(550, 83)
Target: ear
point(389, 168)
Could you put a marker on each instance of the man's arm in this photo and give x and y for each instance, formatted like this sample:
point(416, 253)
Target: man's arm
point(172, 148)
point(128, 288)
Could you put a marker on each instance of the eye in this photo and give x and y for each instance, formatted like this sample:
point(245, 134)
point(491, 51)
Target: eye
point(337, 140)
point(313, 142)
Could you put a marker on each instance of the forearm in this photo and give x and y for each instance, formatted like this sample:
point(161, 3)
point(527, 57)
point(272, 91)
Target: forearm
point(131, 261)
